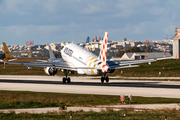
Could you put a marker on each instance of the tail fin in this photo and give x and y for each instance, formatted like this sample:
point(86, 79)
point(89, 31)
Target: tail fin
point(103, 52)
point(6, 51)
point(51, 54)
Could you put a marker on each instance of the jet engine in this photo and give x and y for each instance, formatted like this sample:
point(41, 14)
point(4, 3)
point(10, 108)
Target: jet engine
point(50, 70)
point(110, 70)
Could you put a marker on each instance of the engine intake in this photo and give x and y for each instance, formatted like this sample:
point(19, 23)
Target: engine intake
point(50, 70)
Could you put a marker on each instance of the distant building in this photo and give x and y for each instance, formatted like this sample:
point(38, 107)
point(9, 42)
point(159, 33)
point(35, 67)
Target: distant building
point(39, 47)
point(53, 47)
point(116, 46)
point(135, 43)
point(125, 44)
point(99, 38)
point(176, 31)
point(95, 38)
point(176, 43)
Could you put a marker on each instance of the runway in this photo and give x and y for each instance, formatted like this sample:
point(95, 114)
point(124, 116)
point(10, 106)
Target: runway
point(87, 85)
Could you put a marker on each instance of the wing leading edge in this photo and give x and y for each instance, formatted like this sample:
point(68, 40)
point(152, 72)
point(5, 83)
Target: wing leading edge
point(60, 65)
point(128, 62)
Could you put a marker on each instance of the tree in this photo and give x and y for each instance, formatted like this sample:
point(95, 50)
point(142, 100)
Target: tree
point(135, 49)
point(40, 55)
point(121, 52)
point(2, 56)
point(58, 55)
point(88, 39)
point(147, 49)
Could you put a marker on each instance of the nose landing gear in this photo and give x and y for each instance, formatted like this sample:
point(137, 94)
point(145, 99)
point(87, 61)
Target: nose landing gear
point(66, 79)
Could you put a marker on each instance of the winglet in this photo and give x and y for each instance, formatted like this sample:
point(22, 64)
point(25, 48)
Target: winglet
point(51, 54)
point(6, 51)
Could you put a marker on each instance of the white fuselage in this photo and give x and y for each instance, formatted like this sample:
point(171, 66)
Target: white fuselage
point(81, 57)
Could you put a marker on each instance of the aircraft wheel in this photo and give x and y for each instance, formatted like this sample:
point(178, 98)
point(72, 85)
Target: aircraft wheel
point(107, 79)
point(64, 80)
point(69, 80)
point(102, 79)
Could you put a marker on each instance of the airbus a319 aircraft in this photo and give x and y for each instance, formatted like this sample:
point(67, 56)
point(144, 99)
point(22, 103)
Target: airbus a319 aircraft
point(76, 58)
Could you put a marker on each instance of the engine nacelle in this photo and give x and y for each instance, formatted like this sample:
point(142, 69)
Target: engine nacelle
point(50, 70)
point(110, 70)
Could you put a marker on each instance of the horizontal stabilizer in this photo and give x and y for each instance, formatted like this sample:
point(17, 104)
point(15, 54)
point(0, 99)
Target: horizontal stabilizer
point(12, 60)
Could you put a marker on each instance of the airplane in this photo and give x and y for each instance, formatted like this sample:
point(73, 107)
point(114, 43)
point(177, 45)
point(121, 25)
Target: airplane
point(76, 58)
point(10, 58)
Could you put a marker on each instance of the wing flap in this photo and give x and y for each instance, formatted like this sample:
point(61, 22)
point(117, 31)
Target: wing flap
point(127, 62)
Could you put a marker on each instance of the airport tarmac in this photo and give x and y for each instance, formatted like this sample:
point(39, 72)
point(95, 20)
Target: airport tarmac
point(87, 85)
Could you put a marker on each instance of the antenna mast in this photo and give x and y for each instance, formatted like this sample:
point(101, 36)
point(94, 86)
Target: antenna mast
point(29, 43)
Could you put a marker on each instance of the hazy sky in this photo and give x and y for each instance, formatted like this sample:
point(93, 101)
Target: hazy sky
point(47, 21)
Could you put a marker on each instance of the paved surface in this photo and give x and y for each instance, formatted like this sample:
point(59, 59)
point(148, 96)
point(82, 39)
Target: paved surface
point(152, 78)
point(86, 85)
point(96, 108)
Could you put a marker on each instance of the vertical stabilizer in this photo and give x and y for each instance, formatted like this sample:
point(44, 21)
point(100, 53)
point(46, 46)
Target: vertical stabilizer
point(103, 52)
point(51, 54)
point(6, 51)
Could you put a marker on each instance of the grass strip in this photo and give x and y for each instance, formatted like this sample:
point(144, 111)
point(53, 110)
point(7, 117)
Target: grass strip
point(24, 99)
point(104, 115)
point(29, 104)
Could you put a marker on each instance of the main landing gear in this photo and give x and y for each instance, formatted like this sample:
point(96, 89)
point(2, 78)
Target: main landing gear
point(66, 79)
point(104, 78)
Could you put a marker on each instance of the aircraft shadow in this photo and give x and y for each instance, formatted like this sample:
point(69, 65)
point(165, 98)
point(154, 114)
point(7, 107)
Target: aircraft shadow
point(115, 84)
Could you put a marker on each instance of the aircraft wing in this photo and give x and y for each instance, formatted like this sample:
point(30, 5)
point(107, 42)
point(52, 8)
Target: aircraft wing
point(119, 67)
point(61, 65)
point(129, 62)
point(51, 60)
point(69, 66)
point(163, 58)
